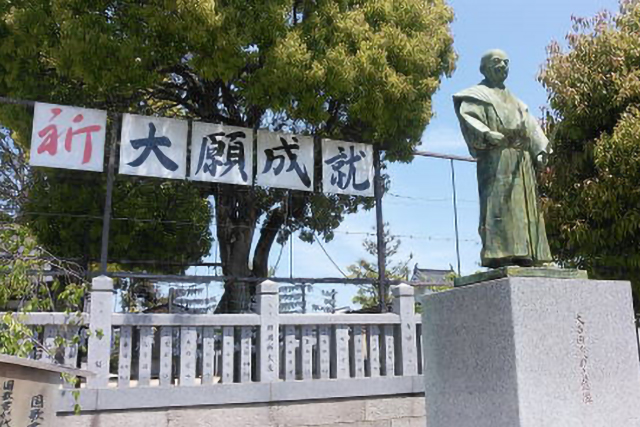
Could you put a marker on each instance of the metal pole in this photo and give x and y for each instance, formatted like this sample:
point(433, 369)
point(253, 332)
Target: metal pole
point(455, 213)
point(304, 298)
point(444, 156)
point(291, 255)
point(333, 300)
point(289, 210)
point(6, 100)
point(382, 249)
point(106, 219)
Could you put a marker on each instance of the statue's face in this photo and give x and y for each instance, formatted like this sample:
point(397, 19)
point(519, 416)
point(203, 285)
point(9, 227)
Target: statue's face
point(496, 67)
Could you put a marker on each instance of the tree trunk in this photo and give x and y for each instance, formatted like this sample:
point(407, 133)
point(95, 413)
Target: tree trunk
point(236, 217)
point(268, 235)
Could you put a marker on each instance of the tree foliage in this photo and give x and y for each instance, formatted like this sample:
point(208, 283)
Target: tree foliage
point(150, 221)
point(591, 187)
point(14, 174)
point(368, 296)
point(346, 69)
point(25, 287)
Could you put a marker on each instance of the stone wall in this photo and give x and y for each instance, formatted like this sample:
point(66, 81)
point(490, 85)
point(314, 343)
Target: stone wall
point(394, 411)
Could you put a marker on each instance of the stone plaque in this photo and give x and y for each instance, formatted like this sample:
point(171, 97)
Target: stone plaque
point(29, 391)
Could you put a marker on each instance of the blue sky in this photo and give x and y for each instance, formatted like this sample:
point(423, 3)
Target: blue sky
point(522, 28)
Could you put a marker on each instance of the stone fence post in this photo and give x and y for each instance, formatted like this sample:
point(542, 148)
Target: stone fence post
point(99, 346)
point(268, 349)
point(404, 306)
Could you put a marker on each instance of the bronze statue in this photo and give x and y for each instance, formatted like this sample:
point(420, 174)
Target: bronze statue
point(509, 144)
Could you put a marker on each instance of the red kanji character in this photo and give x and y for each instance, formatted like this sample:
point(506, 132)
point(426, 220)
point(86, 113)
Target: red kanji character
point(50, 142)
point(87, 142)
point(50, 135)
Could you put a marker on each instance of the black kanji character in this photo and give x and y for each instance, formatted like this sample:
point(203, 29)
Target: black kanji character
point(341, 179)
point(153, 143)
point(293, 159)
point(37, 401)
point(213, 150)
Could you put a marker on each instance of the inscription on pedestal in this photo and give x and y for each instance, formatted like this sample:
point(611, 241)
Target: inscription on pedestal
point(7, 402)
point(585, 384)
point(26, 402)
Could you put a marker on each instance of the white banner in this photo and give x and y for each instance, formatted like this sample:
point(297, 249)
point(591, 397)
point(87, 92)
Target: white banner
point(347, 168)
point(221, 154)
point(285, 161)
point(153, 146)
point(74, 138)
point(68, 137)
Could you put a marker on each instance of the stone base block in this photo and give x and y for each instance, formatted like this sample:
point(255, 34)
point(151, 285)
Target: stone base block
point(376, 411)
point(532, 352)
point(514, 271)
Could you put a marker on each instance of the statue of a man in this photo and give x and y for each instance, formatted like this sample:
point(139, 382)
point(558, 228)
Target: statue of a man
point(508, 143)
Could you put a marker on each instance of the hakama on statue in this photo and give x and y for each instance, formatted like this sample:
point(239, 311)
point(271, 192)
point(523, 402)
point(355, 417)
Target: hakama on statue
point(511, 224)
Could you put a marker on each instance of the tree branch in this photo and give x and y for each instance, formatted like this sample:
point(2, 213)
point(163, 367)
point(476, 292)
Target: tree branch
point(334, 112)
point(268, 234)
point(231, 105)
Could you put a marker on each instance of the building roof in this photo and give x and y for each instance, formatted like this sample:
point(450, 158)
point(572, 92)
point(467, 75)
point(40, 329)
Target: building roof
point(431, 276)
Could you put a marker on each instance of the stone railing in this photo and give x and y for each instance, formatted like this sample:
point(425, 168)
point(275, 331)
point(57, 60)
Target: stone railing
point(171, 360)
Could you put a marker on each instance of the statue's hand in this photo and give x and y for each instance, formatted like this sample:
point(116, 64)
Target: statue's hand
point(493, 138)
point(542, 159)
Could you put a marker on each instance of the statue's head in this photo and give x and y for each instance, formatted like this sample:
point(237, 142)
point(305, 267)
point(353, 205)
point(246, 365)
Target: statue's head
point(494, 66)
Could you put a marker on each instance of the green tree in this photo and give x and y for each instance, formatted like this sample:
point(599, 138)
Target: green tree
point(591, 186)
point(151, 220)
point(14, 174)
point(21, 291)
point(345, 69)
point(329, 303)
point(368, 296)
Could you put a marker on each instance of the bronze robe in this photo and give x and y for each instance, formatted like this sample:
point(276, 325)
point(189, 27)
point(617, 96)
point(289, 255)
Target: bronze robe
point(511, 223)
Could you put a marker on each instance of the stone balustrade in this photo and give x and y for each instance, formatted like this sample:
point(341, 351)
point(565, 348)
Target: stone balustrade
point(159, 360)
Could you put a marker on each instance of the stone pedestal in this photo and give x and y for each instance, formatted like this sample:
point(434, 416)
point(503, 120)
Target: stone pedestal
point(532, 352)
